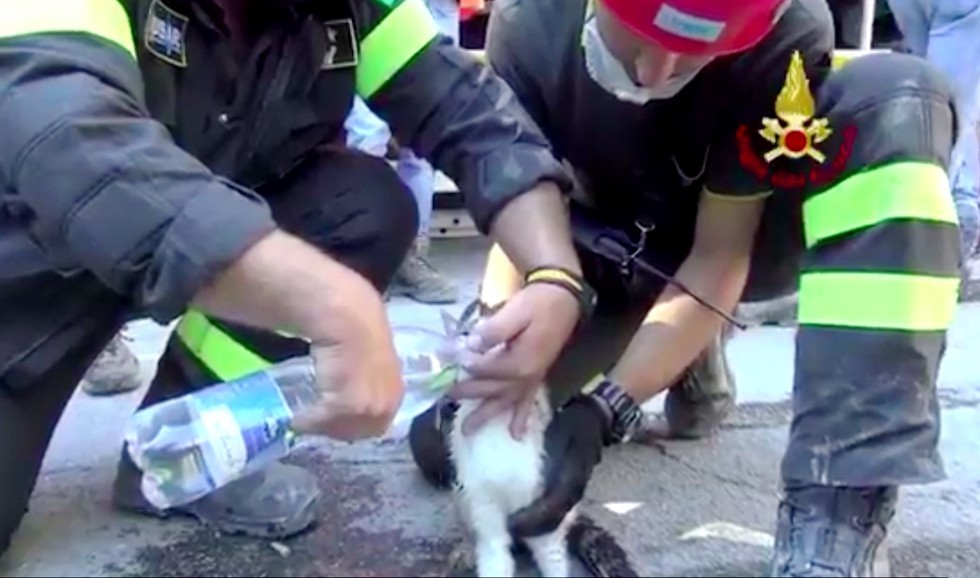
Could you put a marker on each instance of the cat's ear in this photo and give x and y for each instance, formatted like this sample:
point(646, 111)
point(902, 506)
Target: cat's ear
point(449, 323)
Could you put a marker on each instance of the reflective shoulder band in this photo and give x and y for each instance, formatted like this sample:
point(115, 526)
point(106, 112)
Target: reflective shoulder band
point(216, 350)
point(106, 19)
point(395, 41)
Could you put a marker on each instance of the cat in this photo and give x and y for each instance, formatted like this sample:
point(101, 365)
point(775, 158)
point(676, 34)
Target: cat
point(495, 476)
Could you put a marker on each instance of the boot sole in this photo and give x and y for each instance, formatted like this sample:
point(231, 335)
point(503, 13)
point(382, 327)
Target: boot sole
point(302, 522)
point(659, 429)
point(394, 292)
point(125, 386)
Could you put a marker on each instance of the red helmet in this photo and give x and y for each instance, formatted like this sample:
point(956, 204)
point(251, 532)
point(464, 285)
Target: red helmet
point(699, 27)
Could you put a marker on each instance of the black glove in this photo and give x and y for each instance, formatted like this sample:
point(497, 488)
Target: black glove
point(573, 447)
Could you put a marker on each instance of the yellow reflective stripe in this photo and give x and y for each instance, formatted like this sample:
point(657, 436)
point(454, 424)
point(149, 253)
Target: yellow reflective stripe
point(219, 352)
point(907, 190)
point(553, 275)
point(842, 56)
point(877, 300)
point(392, 44)
point(103, 18)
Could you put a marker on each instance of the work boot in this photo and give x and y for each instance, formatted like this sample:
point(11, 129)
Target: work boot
point(781, 311)
point(697, 406)
point(116, 370)
point(274, 503)
point(828, 531)
point(418, 279)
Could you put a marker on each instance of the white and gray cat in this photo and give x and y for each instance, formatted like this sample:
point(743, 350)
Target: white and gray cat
point(496, 476)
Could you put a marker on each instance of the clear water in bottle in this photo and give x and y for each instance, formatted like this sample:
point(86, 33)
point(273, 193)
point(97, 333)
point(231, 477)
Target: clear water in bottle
point(190, 446)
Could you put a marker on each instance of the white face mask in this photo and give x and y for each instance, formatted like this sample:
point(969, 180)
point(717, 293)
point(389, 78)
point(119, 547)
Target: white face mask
point(606, 70)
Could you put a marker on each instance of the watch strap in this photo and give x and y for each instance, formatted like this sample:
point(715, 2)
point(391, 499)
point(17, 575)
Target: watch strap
point(625, 415)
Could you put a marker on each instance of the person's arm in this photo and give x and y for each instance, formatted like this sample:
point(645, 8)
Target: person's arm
point(454, 111)
point(509, 40)
point(283, 282)
point(109, 192)
point(678, 328)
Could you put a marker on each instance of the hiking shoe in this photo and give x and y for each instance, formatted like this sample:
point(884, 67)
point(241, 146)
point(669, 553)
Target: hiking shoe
point(969, 288)
point(274, 503)
point(697, 406)
point(418, 279)
point(116, 370)
point(828, 531)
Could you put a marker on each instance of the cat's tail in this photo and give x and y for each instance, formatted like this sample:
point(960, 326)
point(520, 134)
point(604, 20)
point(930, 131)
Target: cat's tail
point(599, 550)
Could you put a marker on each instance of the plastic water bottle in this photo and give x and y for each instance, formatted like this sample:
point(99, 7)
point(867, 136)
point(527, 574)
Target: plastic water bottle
point(192, 445)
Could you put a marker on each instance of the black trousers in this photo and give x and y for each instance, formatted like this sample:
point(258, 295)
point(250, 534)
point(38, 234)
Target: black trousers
point(351, 205)
point(864, 393)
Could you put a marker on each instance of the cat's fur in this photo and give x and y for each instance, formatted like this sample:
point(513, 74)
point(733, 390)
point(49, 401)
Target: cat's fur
point(497, 475)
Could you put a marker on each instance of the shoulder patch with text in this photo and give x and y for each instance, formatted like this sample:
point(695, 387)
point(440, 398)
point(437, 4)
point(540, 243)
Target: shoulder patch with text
point(164, 34)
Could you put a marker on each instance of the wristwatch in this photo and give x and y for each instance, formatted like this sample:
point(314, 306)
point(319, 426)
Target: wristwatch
point(624, 415)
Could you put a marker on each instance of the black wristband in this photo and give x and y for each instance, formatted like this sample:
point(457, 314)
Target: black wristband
point(568, 280)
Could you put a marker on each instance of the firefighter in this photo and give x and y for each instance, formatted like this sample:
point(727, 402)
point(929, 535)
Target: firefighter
point(713, 142)
point(185, 158)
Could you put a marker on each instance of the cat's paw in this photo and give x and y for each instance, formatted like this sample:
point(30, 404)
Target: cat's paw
point(462, 561)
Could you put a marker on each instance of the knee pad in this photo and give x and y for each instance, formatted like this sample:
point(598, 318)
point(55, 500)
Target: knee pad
point(882, 95)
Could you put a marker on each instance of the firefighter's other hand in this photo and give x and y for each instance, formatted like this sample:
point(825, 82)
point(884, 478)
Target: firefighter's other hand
point(573, 447)
point(513, 349)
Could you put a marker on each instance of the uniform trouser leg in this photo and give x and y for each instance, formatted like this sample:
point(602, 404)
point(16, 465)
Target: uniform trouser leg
point(877, 294)
point(354, 207)
point(28, 419)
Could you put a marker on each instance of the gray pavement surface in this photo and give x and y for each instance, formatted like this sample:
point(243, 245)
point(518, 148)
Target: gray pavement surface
point(680, 509)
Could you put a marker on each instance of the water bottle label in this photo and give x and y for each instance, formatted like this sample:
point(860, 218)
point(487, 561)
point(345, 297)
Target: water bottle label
point(244, 418)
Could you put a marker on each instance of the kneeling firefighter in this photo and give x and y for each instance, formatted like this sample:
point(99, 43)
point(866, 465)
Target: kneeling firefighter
point(184, 158)
point(714, 142)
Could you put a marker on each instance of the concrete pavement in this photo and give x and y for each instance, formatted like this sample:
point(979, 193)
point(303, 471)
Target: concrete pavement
point(681, 508)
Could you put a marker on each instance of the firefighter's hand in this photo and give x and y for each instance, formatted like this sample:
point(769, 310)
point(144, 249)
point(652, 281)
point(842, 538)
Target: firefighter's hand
point(573, 447)
point(283, 282)
point(515, 347)
point(360, 380)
